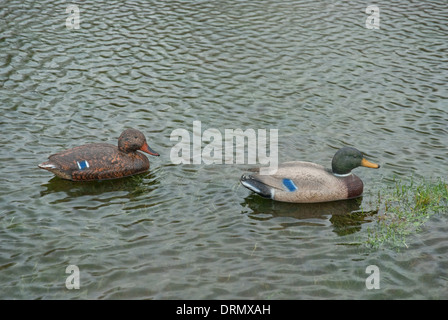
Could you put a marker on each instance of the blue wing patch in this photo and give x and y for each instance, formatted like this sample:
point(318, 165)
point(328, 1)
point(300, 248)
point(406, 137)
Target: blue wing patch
point(82, 164)
point(289, 184)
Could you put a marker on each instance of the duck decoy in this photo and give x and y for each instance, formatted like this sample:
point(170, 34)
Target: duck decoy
point(306, 182)
point(102, 161)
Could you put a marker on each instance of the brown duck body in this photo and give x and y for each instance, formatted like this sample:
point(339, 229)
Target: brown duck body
point(102, 161)
point(96, 161)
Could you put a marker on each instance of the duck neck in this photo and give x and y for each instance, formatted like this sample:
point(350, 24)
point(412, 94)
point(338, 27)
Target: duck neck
point(122, 149)
point(342, 175)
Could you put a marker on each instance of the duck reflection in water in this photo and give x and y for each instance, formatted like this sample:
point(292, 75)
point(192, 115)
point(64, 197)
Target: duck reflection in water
point(346, 216)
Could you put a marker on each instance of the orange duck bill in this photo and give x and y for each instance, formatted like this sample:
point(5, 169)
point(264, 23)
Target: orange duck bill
point(148, 150)
point(369, 164)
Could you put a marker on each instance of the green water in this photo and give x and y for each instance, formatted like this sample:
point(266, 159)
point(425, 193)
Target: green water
point(310, 69)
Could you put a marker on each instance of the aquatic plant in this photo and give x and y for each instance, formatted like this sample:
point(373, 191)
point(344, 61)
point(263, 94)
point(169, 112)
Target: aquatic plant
point(403, 210)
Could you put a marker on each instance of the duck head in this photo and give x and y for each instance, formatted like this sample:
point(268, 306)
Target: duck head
point(347, 159)
point(132, 140)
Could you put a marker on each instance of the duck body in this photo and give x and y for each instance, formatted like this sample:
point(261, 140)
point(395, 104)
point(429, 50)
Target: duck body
point(306, 182)
point(102, 161)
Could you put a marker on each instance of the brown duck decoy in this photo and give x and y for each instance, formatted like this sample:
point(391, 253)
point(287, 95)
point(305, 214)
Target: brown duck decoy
point(102, 161)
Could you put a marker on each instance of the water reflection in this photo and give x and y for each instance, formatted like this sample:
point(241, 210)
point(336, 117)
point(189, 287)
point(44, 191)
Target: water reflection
point(346, 216)
point(131, 186)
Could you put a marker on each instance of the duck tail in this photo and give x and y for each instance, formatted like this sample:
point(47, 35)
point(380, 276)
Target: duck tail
point(257, 186)
point(47, 165)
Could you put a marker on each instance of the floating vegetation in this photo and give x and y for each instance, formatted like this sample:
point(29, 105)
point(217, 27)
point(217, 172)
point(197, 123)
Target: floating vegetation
point(404, 208)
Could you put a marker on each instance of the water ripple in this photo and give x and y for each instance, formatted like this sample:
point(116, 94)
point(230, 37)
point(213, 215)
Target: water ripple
point(308, 68)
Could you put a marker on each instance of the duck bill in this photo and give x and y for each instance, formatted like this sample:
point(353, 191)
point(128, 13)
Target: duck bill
point(147, 149)
point(368, 164)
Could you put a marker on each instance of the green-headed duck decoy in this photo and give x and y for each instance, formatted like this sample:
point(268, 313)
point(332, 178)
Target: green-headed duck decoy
point(306, 182)
point(102, 161)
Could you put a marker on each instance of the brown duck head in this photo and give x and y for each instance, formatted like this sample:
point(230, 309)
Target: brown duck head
point(132, 140)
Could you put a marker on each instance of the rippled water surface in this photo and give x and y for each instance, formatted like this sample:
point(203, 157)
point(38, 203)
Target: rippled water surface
point(310, 69)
